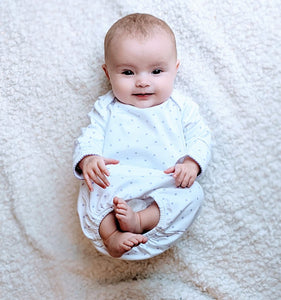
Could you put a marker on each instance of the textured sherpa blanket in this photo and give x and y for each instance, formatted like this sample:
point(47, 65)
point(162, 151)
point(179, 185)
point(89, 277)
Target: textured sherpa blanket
point(51, 54)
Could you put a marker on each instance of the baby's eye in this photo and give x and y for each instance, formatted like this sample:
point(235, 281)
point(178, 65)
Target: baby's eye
point(156, 71)
point(127, 72)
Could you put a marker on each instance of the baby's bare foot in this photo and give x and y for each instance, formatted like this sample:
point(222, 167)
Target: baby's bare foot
point(119, 242)
point(128, 219)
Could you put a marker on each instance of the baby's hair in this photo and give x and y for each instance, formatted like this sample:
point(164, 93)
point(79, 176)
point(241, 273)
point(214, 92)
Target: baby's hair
point(137, 25)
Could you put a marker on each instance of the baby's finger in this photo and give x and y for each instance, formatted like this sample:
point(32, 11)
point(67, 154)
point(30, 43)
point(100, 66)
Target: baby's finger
point(102, 177)
point(180, 180)
point(88, 182)
point(97, 180)
point(111, 161)
point(102, 167)
point(185, 182)
point(191, 181)
point(177, 177)
point(170, 170)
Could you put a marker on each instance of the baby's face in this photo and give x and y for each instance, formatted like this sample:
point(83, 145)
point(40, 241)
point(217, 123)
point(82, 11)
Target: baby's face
point(142, 71)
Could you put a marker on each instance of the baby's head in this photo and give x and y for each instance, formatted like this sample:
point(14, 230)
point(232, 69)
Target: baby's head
point(137, 26)
point(141, 60)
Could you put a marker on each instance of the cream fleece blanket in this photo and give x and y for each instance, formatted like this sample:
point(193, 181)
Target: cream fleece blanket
point(51, 54)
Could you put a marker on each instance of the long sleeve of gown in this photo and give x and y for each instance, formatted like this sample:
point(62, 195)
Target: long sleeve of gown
point(197, 136)
point(91, 141)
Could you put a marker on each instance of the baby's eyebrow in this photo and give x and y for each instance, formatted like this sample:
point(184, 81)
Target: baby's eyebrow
point(156, 65)
point(159, 64)
point(124, 66)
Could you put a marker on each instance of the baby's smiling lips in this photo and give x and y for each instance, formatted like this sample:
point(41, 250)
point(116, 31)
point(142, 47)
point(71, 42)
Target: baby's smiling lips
point(142, 95)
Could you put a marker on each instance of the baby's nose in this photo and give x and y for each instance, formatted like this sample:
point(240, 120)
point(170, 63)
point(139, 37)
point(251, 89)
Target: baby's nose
point(142, 81)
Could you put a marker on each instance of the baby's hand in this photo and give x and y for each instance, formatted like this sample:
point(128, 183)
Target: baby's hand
point(184, 173)
point(93, 168)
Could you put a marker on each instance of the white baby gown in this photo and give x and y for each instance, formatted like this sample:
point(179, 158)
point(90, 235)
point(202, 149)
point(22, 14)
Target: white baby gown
point(146, 142)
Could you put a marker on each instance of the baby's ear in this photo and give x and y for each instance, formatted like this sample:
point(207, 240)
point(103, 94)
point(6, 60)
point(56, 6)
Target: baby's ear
point(177, 65)
point(104, 67)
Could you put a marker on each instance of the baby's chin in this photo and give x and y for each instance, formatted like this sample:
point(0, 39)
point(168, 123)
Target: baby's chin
point(142, 102)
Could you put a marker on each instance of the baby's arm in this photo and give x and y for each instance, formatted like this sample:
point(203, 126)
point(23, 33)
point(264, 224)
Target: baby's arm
point(197, 137)
point(198, 146)
point(185, 173)
point(88, 162)
point(94, 169)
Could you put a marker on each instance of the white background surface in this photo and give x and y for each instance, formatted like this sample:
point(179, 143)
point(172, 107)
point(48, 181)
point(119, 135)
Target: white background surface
point(51, 54)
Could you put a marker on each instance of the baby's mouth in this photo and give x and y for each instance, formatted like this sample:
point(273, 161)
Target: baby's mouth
point(143, 94)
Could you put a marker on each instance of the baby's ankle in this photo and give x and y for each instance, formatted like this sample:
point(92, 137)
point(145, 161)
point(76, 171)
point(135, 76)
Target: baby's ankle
point(149, 218)
point(139, 227)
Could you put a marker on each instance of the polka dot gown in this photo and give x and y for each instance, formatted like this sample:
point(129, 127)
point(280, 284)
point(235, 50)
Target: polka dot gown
point(146, 142)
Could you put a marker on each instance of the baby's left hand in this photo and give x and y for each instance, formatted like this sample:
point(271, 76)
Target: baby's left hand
point(184, 173)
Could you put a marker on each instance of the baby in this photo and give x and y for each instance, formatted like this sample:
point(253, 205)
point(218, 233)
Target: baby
point(144, 148)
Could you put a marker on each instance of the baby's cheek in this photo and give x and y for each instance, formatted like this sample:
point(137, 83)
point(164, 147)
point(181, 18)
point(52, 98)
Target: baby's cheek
point(122, 89)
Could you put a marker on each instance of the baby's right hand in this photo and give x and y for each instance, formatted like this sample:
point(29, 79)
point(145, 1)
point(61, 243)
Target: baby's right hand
point(93, 168)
